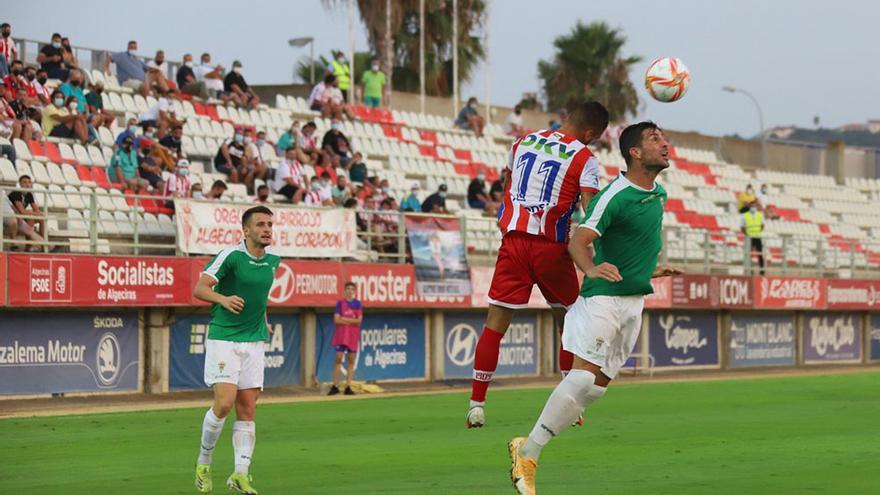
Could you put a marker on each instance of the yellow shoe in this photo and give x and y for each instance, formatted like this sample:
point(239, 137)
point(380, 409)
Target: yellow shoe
point(522, 470)
point(203, 478)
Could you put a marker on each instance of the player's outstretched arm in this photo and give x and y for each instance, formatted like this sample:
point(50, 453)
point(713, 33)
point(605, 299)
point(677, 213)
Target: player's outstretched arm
point(666, 271)
point(204, 291)
point(581, 250)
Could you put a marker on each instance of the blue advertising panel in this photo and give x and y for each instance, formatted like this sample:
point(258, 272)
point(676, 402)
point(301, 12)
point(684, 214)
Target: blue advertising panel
point(68, 352)
point(683, 339)
point(875, 337)
point(762, 340)
point(187, 353)
point(392, 347)
point(519, 348)
point(829, 337)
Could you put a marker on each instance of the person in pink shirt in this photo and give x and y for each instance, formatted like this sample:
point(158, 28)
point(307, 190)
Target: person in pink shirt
point(346, 340)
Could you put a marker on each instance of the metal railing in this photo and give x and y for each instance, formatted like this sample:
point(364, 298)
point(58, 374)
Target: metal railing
point(112, 223)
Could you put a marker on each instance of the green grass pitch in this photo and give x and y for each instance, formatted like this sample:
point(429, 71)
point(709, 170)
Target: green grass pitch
point(789, 435)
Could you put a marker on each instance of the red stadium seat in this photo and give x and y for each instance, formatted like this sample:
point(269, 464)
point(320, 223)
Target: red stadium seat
point(462, 154)
point(102, 180)
point(675, 205)
point(36, 148)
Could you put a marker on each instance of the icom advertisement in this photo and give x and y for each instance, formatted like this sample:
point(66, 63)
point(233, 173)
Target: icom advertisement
point(391, 347)
point(830, 337)
point(683, 339)
point(68, 352)
point(762, 340)
point(187, 352)
point(519, 348)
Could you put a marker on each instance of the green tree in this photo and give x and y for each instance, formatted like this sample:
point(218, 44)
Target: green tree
point(589, 65)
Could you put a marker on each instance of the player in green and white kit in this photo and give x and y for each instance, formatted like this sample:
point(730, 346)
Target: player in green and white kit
point(237, 283)
point(623, 223)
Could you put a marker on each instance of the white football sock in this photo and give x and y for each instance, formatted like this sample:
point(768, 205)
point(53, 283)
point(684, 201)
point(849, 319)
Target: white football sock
point(212, 426)
point(573, 394)
point(244, 438)
point(475, 403)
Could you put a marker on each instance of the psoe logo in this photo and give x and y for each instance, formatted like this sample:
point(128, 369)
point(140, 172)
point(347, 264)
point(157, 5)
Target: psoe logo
point(461, 344)
point(108, 359)
point(283, 286)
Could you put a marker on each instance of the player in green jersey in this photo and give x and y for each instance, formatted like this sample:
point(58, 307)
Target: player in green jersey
point(623, 224)
point(236, 282)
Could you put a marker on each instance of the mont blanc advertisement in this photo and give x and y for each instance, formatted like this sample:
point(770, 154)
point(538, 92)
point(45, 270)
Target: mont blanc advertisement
point(683, 339)
point(519, 348)
point(762, 340)
point(832, 337)
point(68, 352)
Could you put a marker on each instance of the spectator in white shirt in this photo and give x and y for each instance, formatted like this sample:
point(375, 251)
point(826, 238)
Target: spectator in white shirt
point(320, 193)
point(290, 181)
point(8, 51)
point(161, 114)
point(39, 85)
point(159, 63)
point(317, 94)
point(513, 126)
point(212, 76)
point(763, 197)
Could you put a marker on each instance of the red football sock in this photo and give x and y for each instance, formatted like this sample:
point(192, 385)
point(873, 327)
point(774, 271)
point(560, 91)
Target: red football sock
point(485, 362)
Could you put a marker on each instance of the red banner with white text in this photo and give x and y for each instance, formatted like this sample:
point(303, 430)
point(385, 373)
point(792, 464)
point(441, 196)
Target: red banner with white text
point(789, 293)
point(853, 294)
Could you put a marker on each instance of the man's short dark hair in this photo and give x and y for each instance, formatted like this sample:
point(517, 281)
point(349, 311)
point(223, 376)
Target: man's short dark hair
point(54, 93)
point(5, 25)
point(16, 62)
point(23, 177)
point(350, 203)
point(177, 127)
point(253, 211)
point(631, 137)
point(219, 183)
point(309, 124)
point(328, 79)
point(55, 35)
point(349, 284)
point(262, 186)
point(589, 115)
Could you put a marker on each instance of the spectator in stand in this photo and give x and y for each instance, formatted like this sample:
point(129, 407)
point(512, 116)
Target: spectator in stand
point(161, 115)
point(357, 169)
point(178, 185)
point(158, 63)
point(320, 193)
point(254, 152)
point(134, 73)
point(340, 69)
point(513, 126)
point(263, 194)
point(348, 317)
point(33, 228)
point(235, 84)
point(436, 203)
point(173, 140)
point(68, 55)
point(341, 192)
point(336, 145)
point(123, 167)
point(496, 192)
point(411, 202)
point(59, 121)
point(95, 107)
point(469, 119)
point(385, 226)
point(476, 194)
point(12, 126)
point(230, 158)
point(752, 225)
point(309, 145)
point(763, 198)
point(8, 51)
point(212, 76)
point(51, 59)
point(332, 102)
point(372, 85)
point(290, 180)
point(317, 94)
point(39, 85)
point(217, 190)
point(196, 191)
point(148, 166)
point(745, 199)
point(130, 131)
point(289, 139)
point(187, 82)
point(74, 87)
point(16, 84)
point(384, 189)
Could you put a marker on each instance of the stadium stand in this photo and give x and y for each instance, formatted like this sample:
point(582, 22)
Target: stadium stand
point(818, 225)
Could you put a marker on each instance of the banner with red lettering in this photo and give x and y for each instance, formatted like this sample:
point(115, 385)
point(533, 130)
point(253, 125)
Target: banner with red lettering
point(853, 294)
point(205, 227)
point(711, 291)
point(789, 292)
point(69, 280)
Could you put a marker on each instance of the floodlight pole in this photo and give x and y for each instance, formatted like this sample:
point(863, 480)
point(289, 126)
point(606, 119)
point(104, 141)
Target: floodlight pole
point(731, 89)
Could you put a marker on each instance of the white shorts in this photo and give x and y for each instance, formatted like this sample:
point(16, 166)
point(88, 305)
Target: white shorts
point(603, 330)
point(239, 363)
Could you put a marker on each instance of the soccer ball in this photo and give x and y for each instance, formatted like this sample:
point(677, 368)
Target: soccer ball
point(667, 79)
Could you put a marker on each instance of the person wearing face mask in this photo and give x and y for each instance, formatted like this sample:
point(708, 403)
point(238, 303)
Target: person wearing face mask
point(217, 190)
point(158, 62)
point(134, 73)
point(59, 121)
point(173, 141)
point(74, 87)
point(319, 193)
point(123, 168)
point(332, 100)
point(436, 203)
point(253, 157)
point(131, 130)
point(469, 119)
point(38, 84)
point(341, 191)
point(212, 76)
point(337, 146)
point(411, 202)
point(745, 199)
point(51, 59)
point(372, 85)
point(10, 124)
point(178, 185)
point(513, 126)
point(339, 68)
point(196, 191)
point(292, 139)
point(187, 81)
point(309, 145)
point(235, 84)
point(161, 115)
point(476, 193)
point(752, 225)
point(8, 51)
point(230, 156)
point(95, 106)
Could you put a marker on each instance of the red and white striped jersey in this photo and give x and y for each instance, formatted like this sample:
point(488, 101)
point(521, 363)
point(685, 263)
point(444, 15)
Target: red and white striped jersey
point(177, 186)
point(548, 170)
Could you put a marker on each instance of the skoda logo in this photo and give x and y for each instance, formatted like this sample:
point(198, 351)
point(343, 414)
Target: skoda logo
point(108, 358)
point(283, 286)
point(461, 344)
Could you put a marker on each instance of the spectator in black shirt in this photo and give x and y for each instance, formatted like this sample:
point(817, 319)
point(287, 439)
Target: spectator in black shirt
point(187, 82)
point(337, 146)
point(436, 203)
point(476, 194)
point(497, 190)
point(33, 228)
point(172, 140)
point(234, 83)
point(51, 59)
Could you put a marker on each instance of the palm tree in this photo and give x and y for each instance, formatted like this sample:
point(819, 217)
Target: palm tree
point(438, 40)
point(589, 65)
